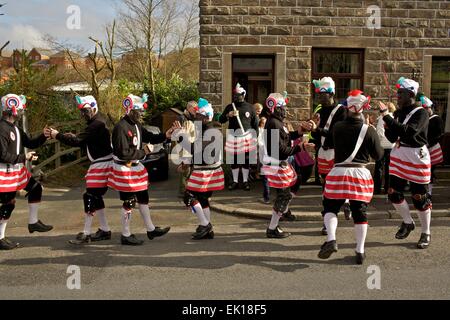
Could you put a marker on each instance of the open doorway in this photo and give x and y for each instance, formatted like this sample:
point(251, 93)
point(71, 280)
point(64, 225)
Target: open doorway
point(256, 74)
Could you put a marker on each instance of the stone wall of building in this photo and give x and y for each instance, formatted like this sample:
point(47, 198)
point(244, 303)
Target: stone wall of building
point(408, 28)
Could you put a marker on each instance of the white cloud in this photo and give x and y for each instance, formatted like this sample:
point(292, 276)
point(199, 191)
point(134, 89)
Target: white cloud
point(20, 35)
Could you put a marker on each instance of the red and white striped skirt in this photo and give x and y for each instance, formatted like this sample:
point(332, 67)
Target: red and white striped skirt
point(240, 145)
point(349, 183)
point(279, 177)
point(436, 154)
point(206, 180)
point(412, 164)
point(98, 174)
point(325, 160)
point(128, 179)
point(13, 179)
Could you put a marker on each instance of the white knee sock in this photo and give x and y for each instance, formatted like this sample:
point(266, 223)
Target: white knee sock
point(425, 220)
point(207, 213)
point(145, 214)
point(33, 213)
point(126, 219)
point(360, 235)
point(235, 175)
point(403, 211)
point(102, 220)
point(430, 189)
point(198, 211)
point(275, 220)
point(3, 224)
point(331, 223)
point(87, 224)
point(245, 173)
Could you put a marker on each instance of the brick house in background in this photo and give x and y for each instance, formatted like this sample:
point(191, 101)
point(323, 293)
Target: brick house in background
point(276, 45)
point(62, 60)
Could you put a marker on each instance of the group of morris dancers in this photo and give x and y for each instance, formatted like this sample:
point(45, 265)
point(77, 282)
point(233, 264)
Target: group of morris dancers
point(347, 144)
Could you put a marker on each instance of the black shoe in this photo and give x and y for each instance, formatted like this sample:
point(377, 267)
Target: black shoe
point(347, 211)
point(202, 232)
point(327, 249)
point(39, 227)
point(6, 244)
point(277, 233)
point(246, 186)
point(233, 186)
point(360, 257)
point(324, 231)
point(405, 230)
point(81, 239)
point(288, 216)
point(210, 235)
point(158, 232)
point(424, 241)
point(101, 235)
point(131, 241)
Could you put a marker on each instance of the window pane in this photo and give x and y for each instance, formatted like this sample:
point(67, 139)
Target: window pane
point(441, 70)
point(336, 62)
point(440, 97)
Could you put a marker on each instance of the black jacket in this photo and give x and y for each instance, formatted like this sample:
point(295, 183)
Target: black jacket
point(345, 134)
point(324, 113)
point(414, 133)
point(201, 143)
point(247, 115)
point(124, 136)
point(285, 139)
point(435, 130)
point(9, 141)
point(95, 138)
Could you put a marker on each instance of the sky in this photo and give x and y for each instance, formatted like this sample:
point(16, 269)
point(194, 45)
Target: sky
point(25, 22)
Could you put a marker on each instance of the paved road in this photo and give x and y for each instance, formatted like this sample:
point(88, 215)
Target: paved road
point(240, 263)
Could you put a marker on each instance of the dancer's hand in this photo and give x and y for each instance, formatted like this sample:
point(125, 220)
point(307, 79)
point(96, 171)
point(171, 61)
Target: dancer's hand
point(32, 156)
point(383, 108)
point(233, 113)
point(148, 148)
point(309, 147)
point(53, 133)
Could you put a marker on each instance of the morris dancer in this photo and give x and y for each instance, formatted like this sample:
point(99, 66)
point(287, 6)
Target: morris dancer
point(435, 133)
point(206, 176)
point(14, 175)
point(278, 171)
point(97, 141)
point(354, 143)
point(329, 114)
point(129, 176)
point(242, 135)
point(410, 160)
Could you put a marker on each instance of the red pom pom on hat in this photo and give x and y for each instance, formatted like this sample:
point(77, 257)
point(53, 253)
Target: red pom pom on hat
point(355, 93)
point(398, 86)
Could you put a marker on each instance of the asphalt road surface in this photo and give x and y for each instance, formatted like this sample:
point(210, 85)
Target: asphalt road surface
point(240, 263)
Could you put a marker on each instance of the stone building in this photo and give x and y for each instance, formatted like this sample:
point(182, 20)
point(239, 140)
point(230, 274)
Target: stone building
point(276, 45)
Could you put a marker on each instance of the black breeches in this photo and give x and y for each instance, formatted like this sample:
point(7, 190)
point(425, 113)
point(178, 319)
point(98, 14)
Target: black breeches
point(420, 196)
point(241, 161)
point(34, 191)
point(7, 204)
point(191, 198)
point(282, 201)
point(358, 208)
point(141, 196)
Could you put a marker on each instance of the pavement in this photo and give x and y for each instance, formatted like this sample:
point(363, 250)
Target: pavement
point(240, 263)
point(307, 205)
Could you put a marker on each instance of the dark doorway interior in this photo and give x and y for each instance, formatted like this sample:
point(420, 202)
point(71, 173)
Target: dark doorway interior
point(255, 74)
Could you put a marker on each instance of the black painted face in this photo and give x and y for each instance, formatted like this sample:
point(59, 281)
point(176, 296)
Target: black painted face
point(280, 112)
point(238, 97)
point(405, 98)
point(136, 116)
point(326, 99)
point(86, 114)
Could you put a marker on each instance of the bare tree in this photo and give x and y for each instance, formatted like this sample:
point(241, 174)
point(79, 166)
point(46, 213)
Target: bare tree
point(138, 36)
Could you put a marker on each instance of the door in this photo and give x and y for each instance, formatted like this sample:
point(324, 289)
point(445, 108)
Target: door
point(255, 74)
